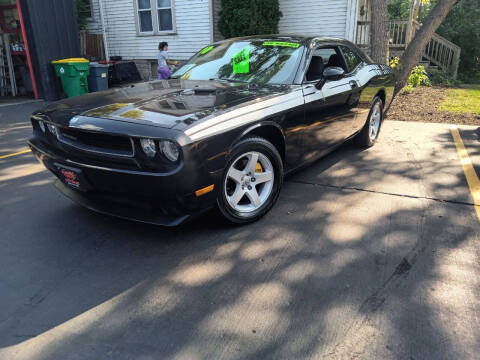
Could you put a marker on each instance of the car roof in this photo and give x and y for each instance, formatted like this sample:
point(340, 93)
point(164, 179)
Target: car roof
point(302, 39)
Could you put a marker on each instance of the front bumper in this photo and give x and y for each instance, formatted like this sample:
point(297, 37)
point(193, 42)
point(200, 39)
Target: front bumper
point(160, 199)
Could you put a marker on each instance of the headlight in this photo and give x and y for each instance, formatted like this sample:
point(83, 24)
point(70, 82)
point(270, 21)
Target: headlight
point(42, 126)
point(148, 147)
point(169, 149)
point(52, 129)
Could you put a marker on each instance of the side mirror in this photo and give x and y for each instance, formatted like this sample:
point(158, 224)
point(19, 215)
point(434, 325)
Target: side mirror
point(331, 73)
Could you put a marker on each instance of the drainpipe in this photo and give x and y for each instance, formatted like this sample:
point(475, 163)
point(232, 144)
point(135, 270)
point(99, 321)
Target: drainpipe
point(211, 9)
point(104, 32)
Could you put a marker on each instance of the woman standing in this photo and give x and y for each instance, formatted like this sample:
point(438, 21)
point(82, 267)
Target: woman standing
point(163, 62)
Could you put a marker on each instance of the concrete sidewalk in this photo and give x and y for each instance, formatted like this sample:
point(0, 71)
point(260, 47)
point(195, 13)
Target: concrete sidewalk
point(368, 254)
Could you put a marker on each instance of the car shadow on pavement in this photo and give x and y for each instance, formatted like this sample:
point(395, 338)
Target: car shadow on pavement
point(344, 265)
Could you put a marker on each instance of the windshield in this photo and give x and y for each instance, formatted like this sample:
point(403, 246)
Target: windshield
point(256, 61)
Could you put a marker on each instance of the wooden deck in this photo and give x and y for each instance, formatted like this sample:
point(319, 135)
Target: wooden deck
point(439, 51)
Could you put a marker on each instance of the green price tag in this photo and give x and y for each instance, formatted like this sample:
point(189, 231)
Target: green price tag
point(281, 43)
point(241, 61)
point(206, 50)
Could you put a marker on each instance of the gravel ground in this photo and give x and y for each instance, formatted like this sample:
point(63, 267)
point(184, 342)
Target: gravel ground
point(422, 105)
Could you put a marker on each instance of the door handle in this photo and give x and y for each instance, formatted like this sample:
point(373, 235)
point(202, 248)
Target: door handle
point(353, 84)
point(309, 90)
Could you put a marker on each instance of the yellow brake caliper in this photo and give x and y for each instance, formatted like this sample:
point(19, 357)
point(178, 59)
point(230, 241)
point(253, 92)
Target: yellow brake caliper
point(258, 168)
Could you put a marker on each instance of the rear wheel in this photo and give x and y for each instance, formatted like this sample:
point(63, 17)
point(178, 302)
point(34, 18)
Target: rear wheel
point(369, 134)
point(251, 182)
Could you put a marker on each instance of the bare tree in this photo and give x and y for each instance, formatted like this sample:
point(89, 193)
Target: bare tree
point(378, 31)
point(415, 48)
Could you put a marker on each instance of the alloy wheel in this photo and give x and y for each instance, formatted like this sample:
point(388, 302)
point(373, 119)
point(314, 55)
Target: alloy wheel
point(375, 120)
point(249, 182)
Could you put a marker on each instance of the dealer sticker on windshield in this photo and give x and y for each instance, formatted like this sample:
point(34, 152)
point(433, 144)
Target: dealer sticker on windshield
point(241, 61)
point(281, 43)
point(206, 50)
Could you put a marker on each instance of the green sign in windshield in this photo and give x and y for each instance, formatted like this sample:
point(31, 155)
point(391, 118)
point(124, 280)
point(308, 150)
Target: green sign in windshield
point(241, 61)
point(281, 43)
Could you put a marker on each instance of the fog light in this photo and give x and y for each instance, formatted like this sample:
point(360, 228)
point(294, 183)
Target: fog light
point(52, 129)
point(169, 149)
point(41, 125)
point(148, 147)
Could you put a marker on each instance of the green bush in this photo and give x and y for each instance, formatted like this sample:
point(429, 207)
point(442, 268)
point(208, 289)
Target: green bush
point(418, 77)
point(249, 17)
point(442, 78)
point(462, 27)
point(472, 77)
point(408, 89)
point(83, 13)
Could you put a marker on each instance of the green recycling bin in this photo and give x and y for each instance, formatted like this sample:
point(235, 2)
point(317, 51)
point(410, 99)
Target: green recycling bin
point(73, 72)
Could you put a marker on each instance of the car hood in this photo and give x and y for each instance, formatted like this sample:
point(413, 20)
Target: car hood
point(169, 104)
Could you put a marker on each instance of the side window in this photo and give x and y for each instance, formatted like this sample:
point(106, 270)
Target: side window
point(351, 58)
point(321, 58)
point(324, 53)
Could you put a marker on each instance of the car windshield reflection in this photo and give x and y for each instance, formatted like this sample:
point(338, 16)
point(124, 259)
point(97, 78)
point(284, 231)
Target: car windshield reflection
point(257, 61)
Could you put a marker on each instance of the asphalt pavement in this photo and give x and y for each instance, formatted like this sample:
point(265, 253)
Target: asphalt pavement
point(371, 254)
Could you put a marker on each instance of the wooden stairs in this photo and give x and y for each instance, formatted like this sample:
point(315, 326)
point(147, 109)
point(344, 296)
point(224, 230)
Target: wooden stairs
point(439, 52)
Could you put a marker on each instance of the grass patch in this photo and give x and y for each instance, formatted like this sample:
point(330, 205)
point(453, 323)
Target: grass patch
point(462, 100)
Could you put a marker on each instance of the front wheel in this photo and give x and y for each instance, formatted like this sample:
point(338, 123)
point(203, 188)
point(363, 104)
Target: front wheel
point(251, 182)
point(369, 134)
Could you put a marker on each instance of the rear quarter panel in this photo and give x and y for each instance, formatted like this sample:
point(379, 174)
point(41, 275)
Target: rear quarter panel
point(375, 80)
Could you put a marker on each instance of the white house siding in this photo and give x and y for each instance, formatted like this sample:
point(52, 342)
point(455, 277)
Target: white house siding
point(192, 19)
point(318, 17)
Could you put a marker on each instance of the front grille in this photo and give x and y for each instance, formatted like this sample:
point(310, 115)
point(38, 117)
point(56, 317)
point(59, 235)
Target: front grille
point(97, 143)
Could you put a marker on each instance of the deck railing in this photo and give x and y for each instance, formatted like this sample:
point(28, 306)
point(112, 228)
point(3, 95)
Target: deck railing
point(363, 33)
point(439, 50)
point(397, 32)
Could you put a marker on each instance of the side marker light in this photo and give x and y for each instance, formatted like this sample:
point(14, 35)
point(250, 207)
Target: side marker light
point(204, 191)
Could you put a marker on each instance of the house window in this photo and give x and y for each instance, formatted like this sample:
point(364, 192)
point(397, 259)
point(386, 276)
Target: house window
point(145, 23)
point(165, 18)
point(155, 16)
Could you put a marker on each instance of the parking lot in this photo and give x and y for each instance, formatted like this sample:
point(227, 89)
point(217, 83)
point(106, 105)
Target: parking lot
point(371, 254)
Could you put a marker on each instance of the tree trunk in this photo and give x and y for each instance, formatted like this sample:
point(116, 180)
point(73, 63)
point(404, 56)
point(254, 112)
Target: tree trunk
point(415, 48)
point(378, 31)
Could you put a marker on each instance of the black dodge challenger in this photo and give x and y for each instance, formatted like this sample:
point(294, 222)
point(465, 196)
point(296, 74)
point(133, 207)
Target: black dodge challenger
point(224, 131)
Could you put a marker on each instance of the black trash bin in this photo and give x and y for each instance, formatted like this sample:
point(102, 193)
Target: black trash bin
point(98, 78)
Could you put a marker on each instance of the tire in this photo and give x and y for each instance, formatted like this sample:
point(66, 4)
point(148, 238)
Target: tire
point(367, 137)
point(253, 167)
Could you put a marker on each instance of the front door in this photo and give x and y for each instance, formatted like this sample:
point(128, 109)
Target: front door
point(330, 112)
